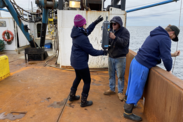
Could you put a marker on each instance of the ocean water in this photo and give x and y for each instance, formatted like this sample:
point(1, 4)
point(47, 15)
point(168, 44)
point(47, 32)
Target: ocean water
point(138, 35)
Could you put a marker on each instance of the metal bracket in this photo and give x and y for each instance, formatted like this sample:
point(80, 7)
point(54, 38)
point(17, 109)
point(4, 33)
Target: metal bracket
point(26, 28)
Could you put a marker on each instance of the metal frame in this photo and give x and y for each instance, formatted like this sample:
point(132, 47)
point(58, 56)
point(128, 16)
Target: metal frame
point(46, 5)
point(60, 5)
point(114, 3)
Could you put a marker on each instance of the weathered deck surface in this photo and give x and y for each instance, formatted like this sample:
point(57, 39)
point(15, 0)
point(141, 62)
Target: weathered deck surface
point(33, 87)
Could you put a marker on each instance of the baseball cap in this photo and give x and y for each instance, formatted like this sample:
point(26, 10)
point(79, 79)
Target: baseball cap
point(113, 21)
point(176, 31)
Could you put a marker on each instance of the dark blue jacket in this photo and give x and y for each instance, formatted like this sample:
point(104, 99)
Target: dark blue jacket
point(157, 46)
point(120, 45)
point(81, 47)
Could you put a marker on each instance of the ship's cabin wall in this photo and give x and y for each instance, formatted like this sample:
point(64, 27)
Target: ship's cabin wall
point(65, 25)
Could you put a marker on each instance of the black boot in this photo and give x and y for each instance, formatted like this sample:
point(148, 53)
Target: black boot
point(84, 101)
point(128, 108)
point(73, 97)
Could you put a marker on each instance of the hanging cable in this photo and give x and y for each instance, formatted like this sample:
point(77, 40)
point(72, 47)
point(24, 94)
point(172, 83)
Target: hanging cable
point(14, 3)
point(179, 28)
point(21, 12)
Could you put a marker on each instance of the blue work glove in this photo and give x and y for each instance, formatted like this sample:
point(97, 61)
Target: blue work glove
point(99, 19)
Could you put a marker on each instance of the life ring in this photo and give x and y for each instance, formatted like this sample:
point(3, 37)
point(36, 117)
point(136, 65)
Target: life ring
point(7, 31)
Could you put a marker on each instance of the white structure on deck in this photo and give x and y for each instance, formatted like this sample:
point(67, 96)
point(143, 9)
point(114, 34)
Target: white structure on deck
point(19, 41)
point(9, 24)
point(65, 25)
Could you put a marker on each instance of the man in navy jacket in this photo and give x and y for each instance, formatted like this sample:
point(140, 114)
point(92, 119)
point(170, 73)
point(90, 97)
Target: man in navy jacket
point(156, 47)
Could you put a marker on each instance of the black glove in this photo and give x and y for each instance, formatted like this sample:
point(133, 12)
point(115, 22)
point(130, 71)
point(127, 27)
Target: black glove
point(105, 52)
point(99, 19)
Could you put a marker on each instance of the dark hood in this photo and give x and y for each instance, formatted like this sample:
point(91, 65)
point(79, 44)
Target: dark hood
point(159, 31)
point(118, 20)
point(76, 32)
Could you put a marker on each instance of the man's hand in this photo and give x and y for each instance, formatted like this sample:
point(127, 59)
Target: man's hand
point(112, 36)
point(170, 71)
point(176, 53)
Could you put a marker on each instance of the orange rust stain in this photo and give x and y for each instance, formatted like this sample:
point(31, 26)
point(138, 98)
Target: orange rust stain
point(26, 68)
point(22, 69)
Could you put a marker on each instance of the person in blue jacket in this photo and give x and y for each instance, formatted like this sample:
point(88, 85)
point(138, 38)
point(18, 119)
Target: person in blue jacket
point(156, 47)
point(81, 49)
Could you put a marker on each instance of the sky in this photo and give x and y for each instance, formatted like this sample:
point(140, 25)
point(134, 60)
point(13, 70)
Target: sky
point(160, 15)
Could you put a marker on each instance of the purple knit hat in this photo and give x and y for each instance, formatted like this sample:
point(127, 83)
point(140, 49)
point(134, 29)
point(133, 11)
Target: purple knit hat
point(79, 20)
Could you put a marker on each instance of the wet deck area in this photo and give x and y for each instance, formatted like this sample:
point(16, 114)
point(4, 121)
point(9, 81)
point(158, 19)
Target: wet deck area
point(42, 92)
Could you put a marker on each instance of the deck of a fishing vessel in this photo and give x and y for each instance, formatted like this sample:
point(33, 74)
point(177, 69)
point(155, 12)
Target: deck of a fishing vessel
point(33, 87)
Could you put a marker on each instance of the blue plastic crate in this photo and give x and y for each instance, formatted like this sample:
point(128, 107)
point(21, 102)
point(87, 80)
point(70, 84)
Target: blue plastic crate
point(48, 45)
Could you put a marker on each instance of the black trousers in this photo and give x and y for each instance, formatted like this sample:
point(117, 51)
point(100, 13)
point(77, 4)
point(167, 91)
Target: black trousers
point(85, 75)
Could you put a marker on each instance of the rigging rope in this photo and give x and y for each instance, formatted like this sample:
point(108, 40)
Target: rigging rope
point(179, 28)
point(15, 4)
point(21, 12)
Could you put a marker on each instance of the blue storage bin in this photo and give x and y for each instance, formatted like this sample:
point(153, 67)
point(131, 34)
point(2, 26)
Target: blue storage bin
point(48, 45)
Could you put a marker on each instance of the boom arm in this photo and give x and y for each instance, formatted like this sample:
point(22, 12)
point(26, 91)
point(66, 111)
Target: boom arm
point(152, 5)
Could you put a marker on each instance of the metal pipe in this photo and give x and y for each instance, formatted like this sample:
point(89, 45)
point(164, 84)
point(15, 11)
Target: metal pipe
point(31, 6)
point(81, 4)
point(2, 4)
point(4, 10)
point(149, 6)
point(49, 4)
point(123, 5)
point(102, 5)
point(87, 8)
point(60, 5)
point(114, 2)
point(43, 27)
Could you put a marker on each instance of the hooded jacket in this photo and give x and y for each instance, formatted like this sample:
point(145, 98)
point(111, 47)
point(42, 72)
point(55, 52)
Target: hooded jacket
point(81, 47)
point(157, 46)
point(120, 45)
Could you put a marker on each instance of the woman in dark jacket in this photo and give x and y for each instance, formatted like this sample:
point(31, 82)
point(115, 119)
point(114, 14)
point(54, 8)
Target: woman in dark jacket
point(81, 48)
